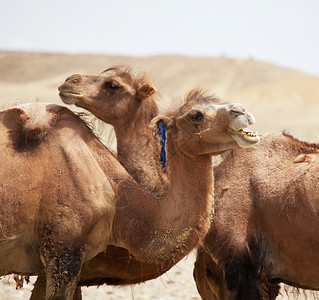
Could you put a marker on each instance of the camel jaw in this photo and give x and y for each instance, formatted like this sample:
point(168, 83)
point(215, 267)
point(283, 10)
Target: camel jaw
point(245, 138)
point(70, 97)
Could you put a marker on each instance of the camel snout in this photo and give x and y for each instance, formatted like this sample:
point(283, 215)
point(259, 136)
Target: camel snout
point(237, 109)
point(76, 78)
point(250, 117)
point(243, 117)
point(73, 79)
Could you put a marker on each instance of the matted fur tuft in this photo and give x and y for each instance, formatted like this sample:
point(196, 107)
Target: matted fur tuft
point(195, 97)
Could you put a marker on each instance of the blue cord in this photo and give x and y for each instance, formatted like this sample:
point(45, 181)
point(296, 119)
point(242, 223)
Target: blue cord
point(162, 133)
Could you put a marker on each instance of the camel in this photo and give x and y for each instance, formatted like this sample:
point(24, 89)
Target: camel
point(117, 266)
point(265, 223)
point(213, 285)
point(128, 102)
point(71, 198)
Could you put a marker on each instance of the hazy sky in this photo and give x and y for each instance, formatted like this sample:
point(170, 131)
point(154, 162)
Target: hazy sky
point(284, 32)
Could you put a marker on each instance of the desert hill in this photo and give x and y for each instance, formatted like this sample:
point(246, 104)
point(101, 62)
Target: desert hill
point(280, 98)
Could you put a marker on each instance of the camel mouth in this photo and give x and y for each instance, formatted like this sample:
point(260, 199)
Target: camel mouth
point(70, 97)
point(69, 93)
point(247, 132)
point(245, 138)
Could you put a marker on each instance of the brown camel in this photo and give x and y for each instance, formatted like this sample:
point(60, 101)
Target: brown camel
point(267, 289)
point(128, 102)
point(71, 198)
point(265, 228)
point(115, 92)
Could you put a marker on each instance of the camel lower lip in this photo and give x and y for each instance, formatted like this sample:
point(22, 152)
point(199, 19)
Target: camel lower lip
point(70, 97)
point(70, 94)
point(245, 138)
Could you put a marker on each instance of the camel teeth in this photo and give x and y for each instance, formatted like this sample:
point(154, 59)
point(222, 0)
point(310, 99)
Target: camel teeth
point(248, 133)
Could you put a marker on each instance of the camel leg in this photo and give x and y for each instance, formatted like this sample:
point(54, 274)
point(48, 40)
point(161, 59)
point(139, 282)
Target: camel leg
point(245, 275)
point(38, 292)
point(239, 282)
point(267, 289)
point(62, 272)
point(201, 276)
point(60, 286)
point(241, 278)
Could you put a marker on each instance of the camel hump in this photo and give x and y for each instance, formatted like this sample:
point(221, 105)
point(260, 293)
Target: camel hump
point(29, 124)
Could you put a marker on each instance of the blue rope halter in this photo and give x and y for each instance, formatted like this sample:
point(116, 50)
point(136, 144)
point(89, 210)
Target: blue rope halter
point(162, 133)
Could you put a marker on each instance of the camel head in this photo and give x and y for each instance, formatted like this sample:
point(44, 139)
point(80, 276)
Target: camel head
point(114, 96)
point(205, 126)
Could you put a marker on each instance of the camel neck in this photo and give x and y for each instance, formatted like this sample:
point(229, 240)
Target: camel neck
point(164, 229)
point(138, 151)
point(170, 227)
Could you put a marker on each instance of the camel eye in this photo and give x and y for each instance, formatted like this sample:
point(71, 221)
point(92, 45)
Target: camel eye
point(196, 116)
point(112, 85)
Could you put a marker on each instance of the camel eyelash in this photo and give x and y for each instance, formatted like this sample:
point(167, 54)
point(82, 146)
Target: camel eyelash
point(112, 86)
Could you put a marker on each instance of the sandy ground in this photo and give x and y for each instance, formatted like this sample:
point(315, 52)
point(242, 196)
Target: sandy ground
point(177, 283)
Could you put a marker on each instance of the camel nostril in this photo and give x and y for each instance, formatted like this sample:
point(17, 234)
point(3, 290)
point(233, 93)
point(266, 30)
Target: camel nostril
point(237, 109)
point(76, 78)
point(236, 112)
point(251, 118)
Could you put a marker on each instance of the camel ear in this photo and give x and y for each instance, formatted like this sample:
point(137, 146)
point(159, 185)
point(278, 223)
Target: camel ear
point(145, 91)
point(167, 121)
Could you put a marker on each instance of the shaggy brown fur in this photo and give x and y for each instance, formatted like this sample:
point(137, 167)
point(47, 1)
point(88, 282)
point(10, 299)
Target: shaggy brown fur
point(67, 198)
point(265, 224)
